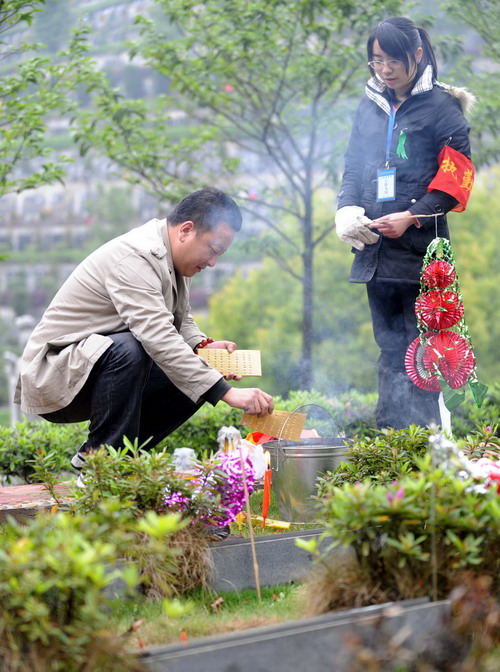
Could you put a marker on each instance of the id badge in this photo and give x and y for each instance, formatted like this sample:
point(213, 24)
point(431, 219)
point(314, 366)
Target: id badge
point(386, 184)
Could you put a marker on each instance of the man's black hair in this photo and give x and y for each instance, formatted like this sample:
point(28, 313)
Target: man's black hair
point(206, 208)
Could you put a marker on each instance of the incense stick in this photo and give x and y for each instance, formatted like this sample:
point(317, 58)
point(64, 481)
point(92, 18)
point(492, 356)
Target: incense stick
point(250, 527)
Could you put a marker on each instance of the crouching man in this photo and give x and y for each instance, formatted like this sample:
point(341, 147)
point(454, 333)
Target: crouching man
point(117, 345)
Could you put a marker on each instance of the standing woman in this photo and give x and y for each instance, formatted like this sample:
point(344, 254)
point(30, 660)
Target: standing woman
point(408, 146)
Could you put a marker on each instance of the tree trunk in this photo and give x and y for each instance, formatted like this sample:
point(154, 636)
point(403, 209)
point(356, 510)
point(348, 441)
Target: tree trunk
point(306, 373)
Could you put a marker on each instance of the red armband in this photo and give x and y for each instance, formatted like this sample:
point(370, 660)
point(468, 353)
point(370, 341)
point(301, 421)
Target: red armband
point(455, 176)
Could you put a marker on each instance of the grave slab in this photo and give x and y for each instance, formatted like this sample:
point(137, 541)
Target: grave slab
point(25, 501)
point(327, 642)
point(280, 560)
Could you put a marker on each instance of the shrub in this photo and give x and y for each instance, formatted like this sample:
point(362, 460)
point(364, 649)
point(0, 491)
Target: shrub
point(428, 526)
point(382, 457)
point(20, 444)
point(485, 441)
point(468, 416)
point(54, 572)
point(351, 413)
point(138, 482)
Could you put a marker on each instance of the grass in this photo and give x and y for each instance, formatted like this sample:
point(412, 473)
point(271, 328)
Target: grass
point(210, 614)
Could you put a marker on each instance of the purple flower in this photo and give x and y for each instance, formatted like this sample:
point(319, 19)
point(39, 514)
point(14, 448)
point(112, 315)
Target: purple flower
point(217, 494)
point(391, 498)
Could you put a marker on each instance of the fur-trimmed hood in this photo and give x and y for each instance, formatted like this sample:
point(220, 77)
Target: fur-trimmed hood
point(464, 96)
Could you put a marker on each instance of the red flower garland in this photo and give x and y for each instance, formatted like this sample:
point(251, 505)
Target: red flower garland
point(439, 310)
point(440, 359)
point(452, 355)
point(438, 273)
point(414, 364)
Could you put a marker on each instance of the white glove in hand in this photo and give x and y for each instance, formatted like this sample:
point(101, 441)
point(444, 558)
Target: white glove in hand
point(351, 225)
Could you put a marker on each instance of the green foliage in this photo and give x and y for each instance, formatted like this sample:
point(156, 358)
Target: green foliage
point(16, 12)
point(138, 479)
point(484, 442)
point(134, 483)
point(468, 416)
point(383, 458)
point(20, 445)
point(483, 17)
point(126, 489)
point(352, 413)
point(200, 431)
point(270, 79)
point(54, 614)
point(37, 88)
point(426, 520)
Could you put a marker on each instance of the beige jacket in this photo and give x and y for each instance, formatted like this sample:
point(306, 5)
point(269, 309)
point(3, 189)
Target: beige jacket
point(127, 284)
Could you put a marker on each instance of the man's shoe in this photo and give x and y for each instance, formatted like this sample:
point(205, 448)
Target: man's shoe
point(78, 461)
point(80, 482)
point(218, 533)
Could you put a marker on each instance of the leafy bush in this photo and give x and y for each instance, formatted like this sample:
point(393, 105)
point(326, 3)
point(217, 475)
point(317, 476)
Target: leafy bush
point(20, 444)
point(384, 457)
point(200, 431)
point(467, 416)
point(138, 482)
point(484, 442)
point(351, 413)
point(54, 572)
point(428, 526)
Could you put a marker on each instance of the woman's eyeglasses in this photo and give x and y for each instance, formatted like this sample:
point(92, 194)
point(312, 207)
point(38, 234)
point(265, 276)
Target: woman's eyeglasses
point(378, 65)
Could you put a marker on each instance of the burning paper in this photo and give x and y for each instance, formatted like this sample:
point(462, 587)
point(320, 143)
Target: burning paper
point(281, 424)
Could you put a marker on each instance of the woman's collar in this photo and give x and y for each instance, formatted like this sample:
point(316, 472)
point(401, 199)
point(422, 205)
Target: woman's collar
point(376, 90)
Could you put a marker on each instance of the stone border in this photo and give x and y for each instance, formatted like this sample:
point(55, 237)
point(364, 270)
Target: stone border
point(280, 560)
point(317, 644)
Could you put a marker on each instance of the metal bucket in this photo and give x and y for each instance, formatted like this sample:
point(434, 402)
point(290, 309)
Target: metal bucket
point(296, 466)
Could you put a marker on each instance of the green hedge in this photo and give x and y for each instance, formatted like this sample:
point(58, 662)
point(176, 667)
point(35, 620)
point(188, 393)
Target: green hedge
point(19, 445)
point(352, 413)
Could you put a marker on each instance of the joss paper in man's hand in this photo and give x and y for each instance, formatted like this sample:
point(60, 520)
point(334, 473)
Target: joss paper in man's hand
point(240, 362)
point(281, 424)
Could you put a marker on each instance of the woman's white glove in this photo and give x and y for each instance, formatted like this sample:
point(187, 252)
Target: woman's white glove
point(351, 225)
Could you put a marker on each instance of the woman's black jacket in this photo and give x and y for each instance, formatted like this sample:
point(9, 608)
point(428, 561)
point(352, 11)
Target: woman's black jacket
point(424, 123)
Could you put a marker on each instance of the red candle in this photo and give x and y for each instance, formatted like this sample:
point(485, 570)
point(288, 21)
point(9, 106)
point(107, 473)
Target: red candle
point(267, 489)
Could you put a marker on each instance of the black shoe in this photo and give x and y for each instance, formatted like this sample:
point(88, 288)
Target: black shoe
point(219, 533)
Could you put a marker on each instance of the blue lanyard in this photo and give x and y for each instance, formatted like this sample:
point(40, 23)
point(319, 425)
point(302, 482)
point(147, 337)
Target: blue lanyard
point(390, 129)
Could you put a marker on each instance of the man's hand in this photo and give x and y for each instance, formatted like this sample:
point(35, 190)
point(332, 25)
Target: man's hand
point(225, 345)
point(251, 400)
point(230, 347)
point(395, 224)
point(353, 227)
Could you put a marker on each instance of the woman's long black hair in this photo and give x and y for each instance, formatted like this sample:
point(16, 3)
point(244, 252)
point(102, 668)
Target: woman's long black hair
point(400, 38)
